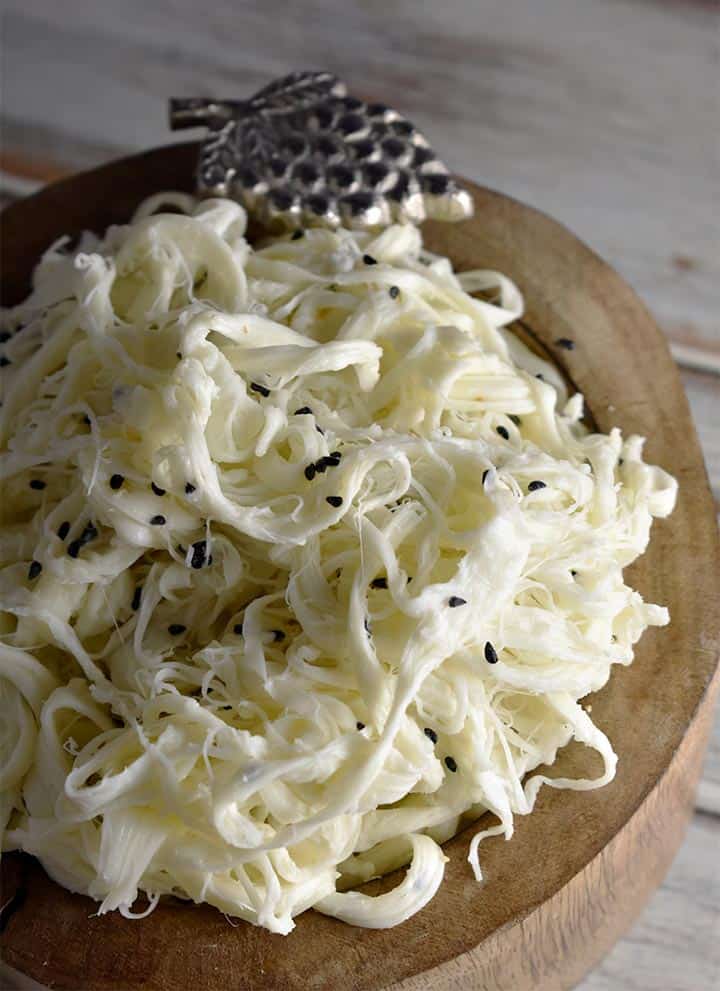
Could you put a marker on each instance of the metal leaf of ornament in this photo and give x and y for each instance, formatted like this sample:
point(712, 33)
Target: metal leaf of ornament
point(301, 152)
point(299, 89)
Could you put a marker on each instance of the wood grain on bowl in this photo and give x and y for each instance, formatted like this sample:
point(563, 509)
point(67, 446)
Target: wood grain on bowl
point(581, 866)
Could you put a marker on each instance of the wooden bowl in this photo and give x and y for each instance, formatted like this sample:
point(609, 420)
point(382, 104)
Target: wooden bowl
point(583, 864)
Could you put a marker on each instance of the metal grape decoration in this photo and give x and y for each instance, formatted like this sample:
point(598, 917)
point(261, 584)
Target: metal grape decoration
point(301, 152)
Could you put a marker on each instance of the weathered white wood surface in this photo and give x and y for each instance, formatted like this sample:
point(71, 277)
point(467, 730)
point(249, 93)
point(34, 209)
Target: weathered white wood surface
point(603, 113)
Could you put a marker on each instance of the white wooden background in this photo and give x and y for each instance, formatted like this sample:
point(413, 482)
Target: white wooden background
point(603, 113)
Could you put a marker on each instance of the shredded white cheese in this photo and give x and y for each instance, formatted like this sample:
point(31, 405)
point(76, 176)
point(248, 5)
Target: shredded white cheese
point(302, 565)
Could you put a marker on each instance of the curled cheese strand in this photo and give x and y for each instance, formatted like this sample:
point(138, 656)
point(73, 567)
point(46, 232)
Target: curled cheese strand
point(422, 880)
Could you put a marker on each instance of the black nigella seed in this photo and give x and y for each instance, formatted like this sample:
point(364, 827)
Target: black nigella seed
point(379, 583)
point(369, 260)
point(336, 455)
point(63, 530)
point(256, 387)
point(394, 292)
point(175, 629)
point(322, 466)
point(199, 553)
point(331, 460)
point(310, 472)
point(4, 362)
point(451, 764)
point(137, 595)
point(565, 342)
point(88, 534)
point(158, 520)
point(189, 488)
point(431, 734)
point(237, 629)
point(536, 485)
point(34, 569)
point(157, 490)
point(503, 432)
point(296, 235)
point(37, 484)
point(116, 481)
point(279, 635)
point(359, 725)
point(303, 411)
point(334, 501)
point(454, 601)
point(490, 653)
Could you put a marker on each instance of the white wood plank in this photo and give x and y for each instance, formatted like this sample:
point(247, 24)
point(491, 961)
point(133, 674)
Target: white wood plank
point(604, 114)
point(708, 796)
point(703, 392)
point(13, 980)
point(696, 358)
point(16, 186)
point(675, 945)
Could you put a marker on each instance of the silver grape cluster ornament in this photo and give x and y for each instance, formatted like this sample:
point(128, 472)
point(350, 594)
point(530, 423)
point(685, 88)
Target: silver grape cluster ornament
point(301, 152)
